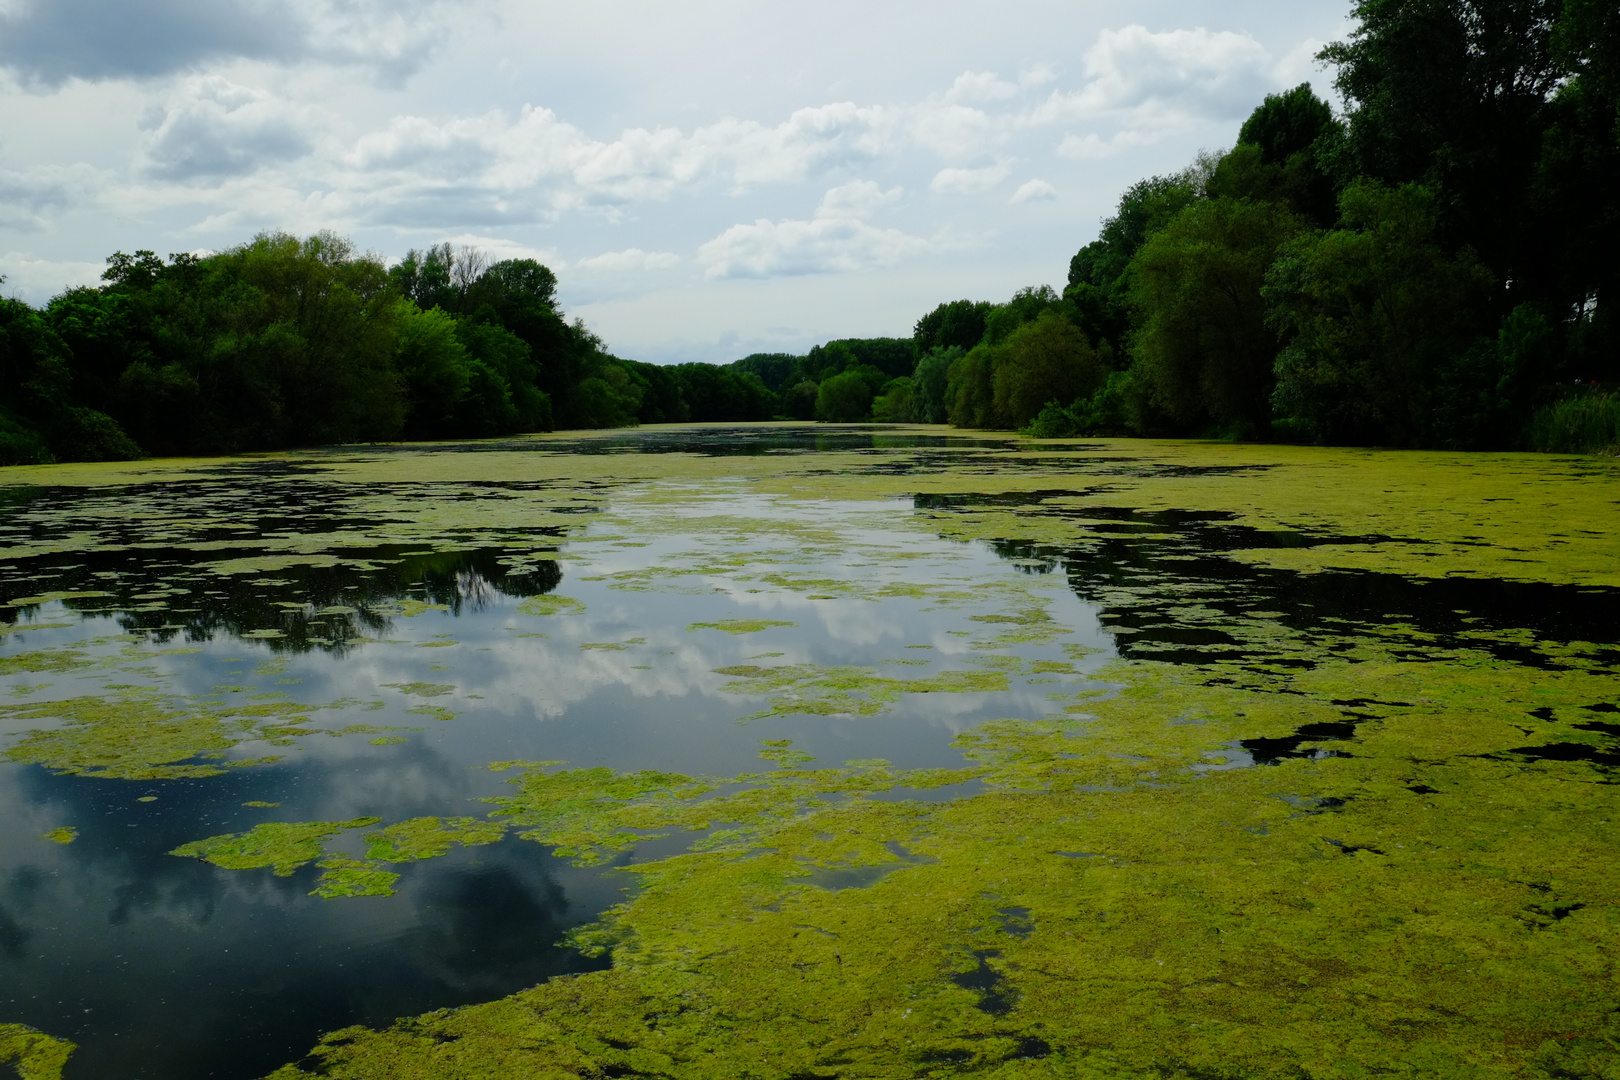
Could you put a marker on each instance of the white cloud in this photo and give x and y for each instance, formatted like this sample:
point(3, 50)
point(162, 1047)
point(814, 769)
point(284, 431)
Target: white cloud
point(630, 259)
point(213, 127)
point(1033, 190)
point(979, 86)
point(857, 199)
point(30, 276)
point(836, 240)
point(969, 181)
point(1147, 86)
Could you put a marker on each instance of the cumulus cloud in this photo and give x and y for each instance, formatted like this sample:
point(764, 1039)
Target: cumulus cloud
point(858, 199)
point(212, 127)
point(979, 86)
point(836, 239)
point(969, 181)
point(630, 260)
point(1146, 85)
point(1033, 191)
point(48, 42)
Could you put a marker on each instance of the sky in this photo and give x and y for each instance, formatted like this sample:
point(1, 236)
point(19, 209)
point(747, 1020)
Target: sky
point(707, 179)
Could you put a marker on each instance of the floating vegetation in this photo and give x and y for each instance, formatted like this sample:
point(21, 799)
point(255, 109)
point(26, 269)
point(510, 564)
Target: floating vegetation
point(423, 689)
point(280, 845)
point(1330, 791)
point(740, 626)
point(62, 834)
point(550, 604)
point(35, 1055)
point(853, 691)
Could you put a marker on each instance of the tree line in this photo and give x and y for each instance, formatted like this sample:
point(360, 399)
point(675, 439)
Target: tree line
point(1433, 267)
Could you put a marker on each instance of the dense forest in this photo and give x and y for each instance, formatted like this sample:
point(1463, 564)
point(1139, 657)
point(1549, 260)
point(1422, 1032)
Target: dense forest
point(1434, 267)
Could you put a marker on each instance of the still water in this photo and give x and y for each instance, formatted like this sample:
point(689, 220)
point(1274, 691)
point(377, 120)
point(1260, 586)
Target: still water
point(197, 650)
point(382, 680)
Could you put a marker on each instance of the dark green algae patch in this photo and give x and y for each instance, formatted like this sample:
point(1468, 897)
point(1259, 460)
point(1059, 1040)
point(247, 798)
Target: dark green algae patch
point(1311, 824)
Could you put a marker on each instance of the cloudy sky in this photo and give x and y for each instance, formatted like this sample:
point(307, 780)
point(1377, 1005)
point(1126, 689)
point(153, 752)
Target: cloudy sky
point(707, 179)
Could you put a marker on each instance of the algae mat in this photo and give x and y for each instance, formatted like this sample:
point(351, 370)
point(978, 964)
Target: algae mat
point(788, 751)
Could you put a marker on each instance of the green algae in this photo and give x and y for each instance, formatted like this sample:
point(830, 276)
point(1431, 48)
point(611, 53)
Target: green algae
point(740, 626)
point(280, 845)
point(62, 834)
point(842, 690)
point(343, 877)
point(1423, 888)
point(34, 1054)
point(423, 689)
point(550, 604)
point(429, 837)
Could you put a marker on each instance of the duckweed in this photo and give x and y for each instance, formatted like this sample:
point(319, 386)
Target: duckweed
point(62, 834)
point(35, 1055)
point(740, 626)
point(1307, 823)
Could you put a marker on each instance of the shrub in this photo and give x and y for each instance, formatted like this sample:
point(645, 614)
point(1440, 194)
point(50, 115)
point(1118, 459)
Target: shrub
point(1584, 424)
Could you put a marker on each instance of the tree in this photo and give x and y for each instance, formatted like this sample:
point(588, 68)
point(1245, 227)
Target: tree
point(1381, 324)
point(931, 382)
point(1276, 158)
point(844, 398)
point(1452, 95)
point(896, 404)
point(1204, 345)
point(1048, 360)
point(799, 400)
point(958, 324)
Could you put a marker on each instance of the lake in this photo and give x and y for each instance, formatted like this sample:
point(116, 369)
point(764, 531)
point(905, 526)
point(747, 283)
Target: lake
point(802, 751)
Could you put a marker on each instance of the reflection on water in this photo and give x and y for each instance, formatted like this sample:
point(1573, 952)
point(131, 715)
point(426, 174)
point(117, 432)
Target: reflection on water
point(377, 681)
point(266, 643)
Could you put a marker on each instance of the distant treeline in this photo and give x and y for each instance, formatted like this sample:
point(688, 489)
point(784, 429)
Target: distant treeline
point(1436, 267)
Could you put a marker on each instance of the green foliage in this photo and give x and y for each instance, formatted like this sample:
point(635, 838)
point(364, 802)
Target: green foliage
point(1204, 346)
point(776, 370)
point(958, 324)
point(1378, 319)
point(799, 400)
point(970, 391)
point(1043, 361)
point(897, 403)
point(1583, 423)
point(844, 398)
point(930, 384)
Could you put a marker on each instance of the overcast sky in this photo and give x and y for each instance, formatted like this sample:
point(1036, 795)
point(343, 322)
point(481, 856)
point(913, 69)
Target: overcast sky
point(707, 179)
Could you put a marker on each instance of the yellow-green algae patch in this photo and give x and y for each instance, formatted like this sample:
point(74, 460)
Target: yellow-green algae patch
point(34, 1054)
point(134, 733)
point(740, 626)
point(1424, 888)
point(550, 604)
point(845, 690)
point(62, 834)
point(1431, 906)
point(428, 837)
point(282, 846)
